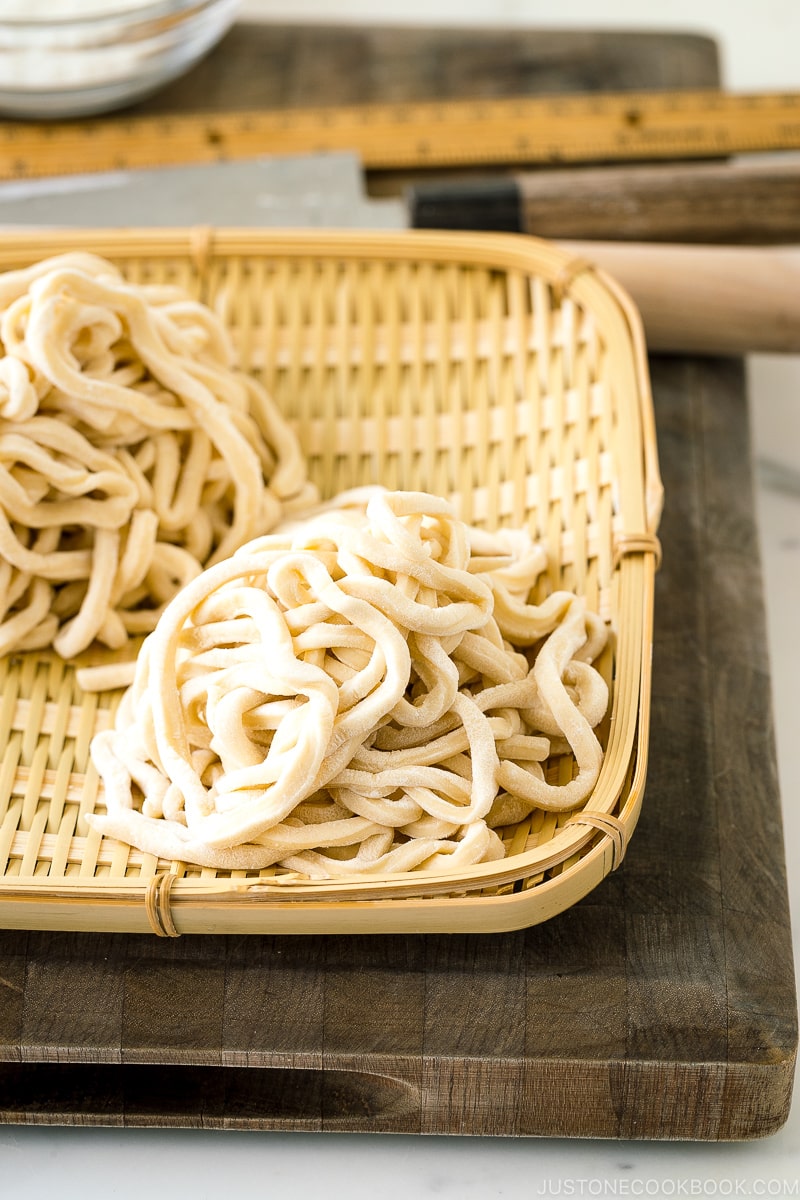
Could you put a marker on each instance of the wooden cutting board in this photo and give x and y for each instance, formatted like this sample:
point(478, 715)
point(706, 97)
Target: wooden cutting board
point(299, 66)
point(662, 1006)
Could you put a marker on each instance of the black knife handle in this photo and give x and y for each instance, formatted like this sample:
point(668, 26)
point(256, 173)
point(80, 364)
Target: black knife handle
point(484, 205)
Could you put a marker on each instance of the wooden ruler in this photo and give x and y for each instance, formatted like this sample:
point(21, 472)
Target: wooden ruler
point(602, 127)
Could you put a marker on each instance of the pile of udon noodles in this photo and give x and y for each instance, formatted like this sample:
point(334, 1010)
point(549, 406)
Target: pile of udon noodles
point(367, 691)
point(132, 454)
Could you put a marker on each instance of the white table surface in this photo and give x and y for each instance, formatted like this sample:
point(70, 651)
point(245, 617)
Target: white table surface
point(759, 45)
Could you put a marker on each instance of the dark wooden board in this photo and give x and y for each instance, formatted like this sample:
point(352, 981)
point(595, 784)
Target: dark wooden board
point(300, 66)
point(662, 1006)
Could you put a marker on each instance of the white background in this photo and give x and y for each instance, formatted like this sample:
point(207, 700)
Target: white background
point(759, 44)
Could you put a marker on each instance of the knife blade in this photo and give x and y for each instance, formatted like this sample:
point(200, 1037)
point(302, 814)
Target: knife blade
point(320, 190)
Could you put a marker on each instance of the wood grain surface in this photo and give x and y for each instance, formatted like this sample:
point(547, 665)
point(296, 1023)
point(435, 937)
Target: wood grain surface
point(296, 66)
point(662, 1006)
point(736, 204)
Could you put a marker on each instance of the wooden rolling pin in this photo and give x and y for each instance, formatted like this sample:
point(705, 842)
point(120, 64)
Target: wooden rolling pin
point(708, 299)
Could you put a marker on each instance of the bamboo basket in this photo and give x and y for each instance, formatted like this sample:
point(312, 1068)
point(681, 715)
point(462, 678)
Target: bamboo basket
point(492, 369)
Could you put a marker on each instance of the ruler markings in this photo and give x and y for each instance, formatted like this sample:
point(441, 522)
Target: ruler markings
point(580, 128)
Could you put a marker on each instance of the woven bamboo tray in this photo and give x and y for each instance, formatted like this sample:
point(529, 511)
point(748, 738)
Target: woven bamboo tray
point(491, 369)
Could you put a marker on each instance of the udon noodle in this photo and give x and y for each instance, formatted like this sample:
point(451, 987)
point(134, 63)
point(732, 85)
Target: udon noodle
point(132, 454)
point(366, 691)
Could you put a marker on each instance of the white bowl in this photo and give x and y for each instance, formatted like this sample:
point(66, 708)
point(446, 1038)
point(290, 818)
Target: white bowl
point(103, 54)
